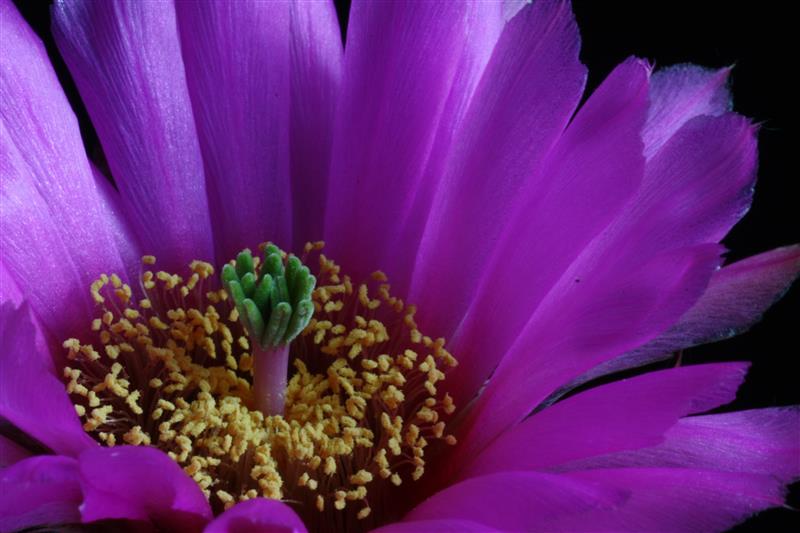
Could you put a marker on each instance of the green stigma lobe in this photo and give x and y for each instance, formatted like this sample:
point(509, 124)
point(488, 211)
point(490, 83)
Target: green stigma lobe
point(273, 300)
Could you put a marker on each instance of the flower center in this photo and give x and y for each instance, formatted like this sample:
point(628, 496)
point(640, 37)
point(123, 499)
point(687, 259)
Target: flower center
point(274, 305)
point(203, 376)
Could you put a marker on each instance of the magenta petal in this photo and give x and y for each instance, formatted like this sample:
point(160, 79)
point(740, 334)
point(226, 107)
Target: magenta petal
point(39, 491)
point(736, 297)
point(409, 71)
point(514, 501)
point(437, 526)
point(124, 235)
point(627, 414)
point(56, 237)
point(699, 184)
point(31, 396)
point(126, 61)
point(760, 441)
point(237, 69)
point(11, 452)
point(636, 278)
point(679, 93)
point(118, 483)
point(259, 515)
point(590, 316)
point(682, 500)
point(482, 30)
point(9, 290)
point(526, 96)
point(592, 171)
point(315, 80)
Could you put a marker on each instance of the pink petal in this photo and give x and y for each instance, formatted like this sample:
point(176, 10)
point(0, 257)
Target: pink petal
point(514, 501)
point(11, 452)
point(39, 491)
point(316, 77)
point(9, 290)
point(679, 93)
point(31, 395)
point(699, 184)
point(487, 21)
point(736, 297)
point(118, 483)
point(695, 188)
point(588, 317)
point(594, 168)
point(675, 500)
point(627, 414)
point(123, 233)
point(237, 68)
point(56, 236)
point(409, 72)
point(258, 515)
point(527, 95)
point(126, 61)
point(761, 441)
point(437, 526)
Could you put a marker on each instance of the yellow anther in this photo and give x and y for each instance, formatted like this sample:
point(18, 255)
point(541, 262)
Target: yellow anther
point(95, 291)
point(340, 501)
point(90, 353)
point(347, 427)
point(94, 400)
point(243, 342)
point(109, 438)
point(362, 477)
point(448, 405)
point(157, 323)
point(112, 351)
point(330, 466)
point(224, 497)
point(73, 345)
point(131, 401)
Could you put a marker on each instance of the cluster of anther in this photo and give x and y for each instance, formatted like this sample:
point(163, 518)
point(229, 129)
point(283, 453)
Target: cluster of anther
point(175, 370)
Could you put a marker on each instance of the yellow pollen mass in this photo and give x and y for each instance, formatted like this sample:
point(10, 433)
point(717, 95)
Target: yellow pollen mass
point(363, 407)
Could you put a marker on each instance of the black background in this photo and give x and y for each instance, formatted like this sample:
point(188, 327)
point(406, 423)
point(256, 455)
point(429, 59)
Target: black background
point(754, 37)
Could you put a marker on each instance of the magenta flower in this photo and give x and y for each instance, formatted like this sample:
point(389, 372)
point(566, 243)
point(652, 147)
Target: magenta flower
point(550, 243)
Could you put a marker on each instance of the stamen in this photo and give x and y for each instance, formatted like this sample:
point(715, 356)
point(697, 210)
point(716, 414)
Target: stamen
point(274, 305)
point(364, 410)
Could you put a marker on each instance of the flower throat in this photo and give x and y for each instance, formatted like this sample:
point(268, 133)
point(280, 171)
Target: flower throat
point(201, 372)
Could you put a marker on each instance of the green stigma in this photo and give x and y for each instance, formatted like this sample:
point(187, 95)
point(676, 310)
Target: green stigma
point(273, 299)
